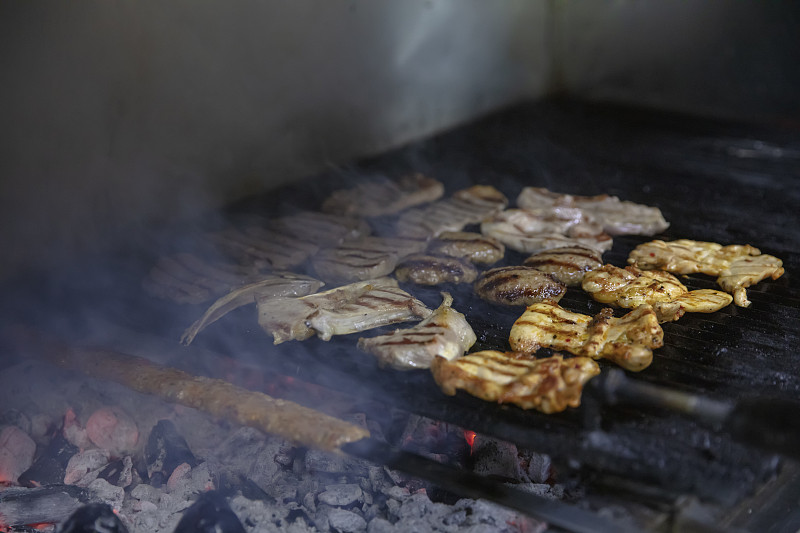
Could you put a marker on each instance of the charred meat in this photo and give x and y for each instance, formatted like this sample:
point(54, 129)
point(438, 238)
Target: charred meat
point(364, 258)
point(433, 270)
point(568, 264)
point(518, 285)
point(384, 197)
point(473, 247)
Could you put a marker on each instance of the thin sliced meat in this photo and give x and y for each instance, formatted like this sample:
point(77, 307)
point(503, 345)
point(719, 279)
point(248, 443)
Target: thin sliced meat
point(474, 247)
point(379, 197)
point(364, 258)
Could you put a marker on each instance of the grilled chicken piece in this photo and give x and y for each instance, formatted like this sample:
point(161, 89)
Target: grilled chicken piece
point(445, 333)
point(432, 270)
point(628, 341)
point(274, 285)
point(630, 287)
point(474, 247)
point(518, 285)
point(568, 264)
point(617, 217)
point(384, 197)
point(549, 385)
point(467, 206)
point(347, 309)
point(531, 231)
point(364, 258)
point(263, 248)
point(737, 265)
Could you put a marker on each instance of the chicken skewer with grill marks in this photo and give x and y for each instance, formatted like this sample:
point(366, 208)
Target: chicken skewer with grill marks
point(628, 341)
point(737, 266)
point(568, 264)
point(383, 196)
point(549, 385)
point(630, 287)
point(445, 333)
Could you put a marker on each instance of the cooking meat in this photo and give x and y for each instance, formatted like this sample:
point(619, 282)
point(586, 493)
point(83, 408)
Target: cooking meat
point(737, 266)
point(568, 264)
point(474, 247)
point(274, 285)
point(364, 258)
point(263, 248)
point(628, 341)
point(432, 270)
point(347, 309)
point(531, 231)
point(518, 285)
point(467, 206)
point(549, 385)
point(617, 217)
point(323, 229)
point(630, 287)
point(383, 196)
point(445, 333)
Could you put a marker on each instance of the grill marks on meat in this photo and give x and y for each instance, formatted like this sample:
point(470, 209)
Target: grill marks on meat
point(549, 385)
point(568, 264)
point(628, 341)
point(737, 266)
point(473, 247)
point(618, 217)
point(263, 248)
point(445, 333)
point(322, 229)
point(363, 259)
point(384, 197)
point(518, 285)
point(432, 270)
point(467, 206)
point(348, 309)
point(531, 231)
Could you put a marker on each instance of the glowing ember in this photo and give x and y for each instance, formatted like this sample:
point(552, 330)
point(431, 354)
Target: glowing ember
point(470, 437)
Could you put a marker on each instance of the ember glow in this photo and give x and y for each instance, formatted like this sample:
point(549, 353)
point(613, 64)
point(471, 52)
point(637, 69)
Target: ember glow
point(470, 437)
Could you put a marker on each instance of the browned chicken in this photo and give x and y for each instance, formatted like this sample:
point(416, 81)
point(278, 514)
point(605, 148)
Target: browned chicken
point(568, 264)
point(518, 285)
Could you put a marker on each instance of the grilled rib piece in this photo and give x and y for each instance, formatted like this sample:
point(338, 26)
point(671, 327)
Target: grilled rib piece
point(531, 231)
point(738, 266)
point(474, 247)
point(518, 285)
point(630, 287)
point(274, 285)
point(628, 341)
point(549, 385)
point(384, 197)
point(568, 264)
point(432, 270)
point(347, 309)
point(617, 217)
point(364, 258)
point(445, 333)
point(467, 206)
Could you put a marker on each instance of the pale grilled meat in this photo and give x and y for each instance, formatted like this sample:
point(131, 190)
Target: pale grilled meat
point(474, 247)
point(549, 385)
point(531, 231)
point(628, 341)
point(467, 206)
point(568, 264)
point(323, 229)
point(630, 287)
point(383, 196)
point(618, 217)
point(263, 248)
point(273, 285)
point(737, 266)
point(425, 269)
point(347, 309)
point(364, 258)
point(518, 285)
point(445, 333)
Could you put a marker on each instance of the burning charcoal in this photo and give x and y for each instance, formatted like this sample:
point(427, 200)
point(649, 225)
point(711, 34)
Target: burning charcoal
point(84, 467)
point(20, 506)
point(113, 429)
point(51, 466)
point(16, 453)
point(538, 467)
point(340, 495)
point(119, 472)
point(210, 514)
point(74, 432)
point(13, 417)
point(108, 493)
point(93, 518)
point(495, 458)
point(166, 449)
point(345, 521)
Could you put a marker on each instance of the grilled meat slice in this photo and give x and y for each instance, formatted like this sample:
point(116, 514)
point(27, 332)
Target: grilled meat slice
point(474, 247)
point(737, 265)
point(364, 258)
point(273, 285)
point(445, 333)
point(347, 309)
point(383, 196)
point(323, 229)
point(617, 217)
point(432, 270)
point(467, 206)
point(262, 248)
point(549, 385)
point(628, 341)
point(531, 231)
point(699, 301)
point(518, 285)
point(568, 264)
